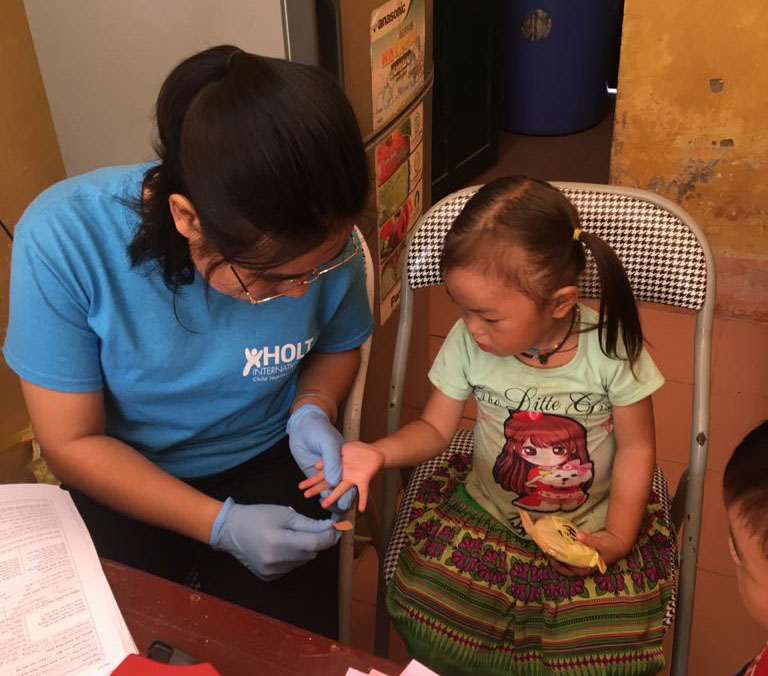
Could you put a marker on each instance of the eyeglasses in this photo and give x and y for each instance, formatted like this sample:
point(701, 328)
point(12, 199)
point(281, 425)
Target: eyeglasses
point(288, 286)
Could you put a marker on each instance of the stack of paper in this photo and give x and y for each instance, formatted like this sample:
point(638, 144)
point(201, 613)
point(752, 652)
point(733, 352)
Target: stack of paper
point(414, 668)
point(57, 612)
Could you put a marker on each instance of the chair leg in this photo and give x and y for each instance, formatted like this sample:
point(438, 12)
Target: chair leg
point(686, 585)
point(373, 517)
point(678, 501)
point(346, 566)
point(391, 488)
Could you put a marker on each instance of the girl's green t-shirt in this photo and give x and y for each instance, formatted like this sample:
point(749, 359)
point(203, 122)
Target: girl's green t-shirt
point(544, 438)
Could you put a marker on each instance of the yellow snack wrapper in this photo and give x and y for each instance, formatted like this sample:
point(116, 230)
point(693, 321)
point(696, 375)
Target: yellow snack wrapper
point(557, 538)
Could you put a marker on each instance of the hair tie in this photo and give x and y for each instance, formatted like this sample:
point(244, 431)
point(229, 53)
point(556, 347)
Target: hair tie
point(576, 234)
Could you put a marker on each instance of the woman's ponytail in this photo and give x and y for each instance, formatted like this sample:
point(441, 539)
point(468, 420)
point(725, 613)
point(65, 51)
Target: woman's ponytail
point(267, 151)
point(618, 310)
point(157, 238)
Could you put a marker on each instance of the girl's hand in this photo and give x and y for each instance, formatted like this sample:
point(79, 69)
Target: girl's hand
point(360, 462)
point(609, 545)
point(569, 570)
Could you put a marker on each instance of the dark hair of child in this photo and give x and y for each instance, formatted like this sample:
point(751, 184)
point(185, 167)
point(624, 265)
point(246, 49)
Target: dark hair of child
point(522, 230)
point(745, 483)
point(268, 152)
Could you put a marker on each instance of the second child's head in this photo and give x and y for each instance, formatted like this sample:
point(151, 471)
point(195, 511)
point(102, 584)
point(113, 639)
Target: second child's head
point(745, 490)
point(512, 261)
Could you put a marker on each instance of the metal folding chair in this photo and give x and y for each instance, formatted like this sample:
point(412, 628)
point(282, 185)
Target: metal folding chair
point(668, 261)
point(351, 431)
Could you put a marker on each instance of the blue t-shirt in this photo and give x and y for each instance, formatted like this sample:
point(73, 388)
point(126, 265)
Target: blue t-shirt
point(197, 383)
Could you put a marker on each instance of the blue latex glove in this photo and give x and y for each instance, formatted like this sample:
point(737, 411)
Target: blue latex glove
point(313, 437)
point(270, 540)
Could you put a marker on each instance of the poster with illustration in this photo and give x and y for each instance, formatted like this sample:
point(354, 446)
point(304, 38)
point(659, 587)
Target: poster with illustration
point(392, 250)
point(398, 31)
point(399, 174)
point(399, 163)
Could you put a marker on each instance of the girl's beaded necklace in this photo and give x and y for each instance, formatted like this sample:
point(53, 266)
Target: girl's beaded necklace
point(545, 353)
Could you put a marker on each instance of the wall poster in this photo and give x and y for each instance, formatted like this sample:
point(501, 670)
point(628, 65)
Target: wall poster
point(399, 163)
point(398, 33)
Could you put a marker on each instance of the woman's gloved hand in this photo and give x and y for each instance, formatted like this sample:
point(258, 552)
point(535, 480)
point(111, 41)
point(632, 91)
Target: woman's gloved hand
point(270, 540)
point(312, 437)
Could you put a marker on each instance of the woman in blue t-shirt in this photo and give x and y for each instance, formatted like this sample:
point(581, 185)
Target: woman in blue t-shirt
point(185, 330)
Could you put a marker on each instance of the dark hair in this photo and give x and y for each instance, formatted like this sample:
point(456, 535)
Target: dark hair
point(269, 153)
point(745, 482)
point(535, 218)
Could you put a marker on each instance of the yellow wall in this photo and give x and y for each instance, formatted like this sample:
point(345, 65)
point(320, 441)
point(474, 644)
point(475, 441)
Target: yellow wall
point(31, 161)
point(692, 124)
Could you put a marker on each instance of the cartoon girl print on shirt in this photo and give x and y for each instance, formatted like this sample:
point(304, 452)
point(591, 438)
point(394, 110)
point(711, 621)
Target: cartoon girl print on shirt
point(545, 461)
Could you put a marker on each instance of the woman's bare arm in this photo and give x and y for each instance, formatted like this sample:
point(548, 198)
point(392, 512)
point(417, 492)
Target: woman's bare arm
point(70, 429)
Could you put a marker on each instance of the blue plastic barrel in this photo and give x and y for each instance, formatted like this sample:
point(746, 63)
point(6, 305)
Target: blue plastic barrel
point(557, 57)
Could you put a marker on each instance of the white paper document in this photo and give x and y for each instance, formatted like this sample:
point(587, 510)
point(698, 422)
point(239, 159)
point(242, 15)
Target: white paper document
point(58, 616)
point(413, 668)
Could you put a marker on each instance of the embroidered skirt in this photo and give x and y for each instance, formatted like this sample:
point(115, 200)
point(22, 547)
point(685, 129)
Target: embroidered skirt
point(471, 597)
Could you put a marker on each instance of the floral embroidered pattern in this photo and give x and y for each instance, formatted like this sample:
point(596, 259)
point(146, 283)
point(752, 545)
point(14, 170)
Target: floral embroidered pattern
point(417, 513)
point(436, 538)
point(650, 562)
point(525, 582)
point(531, 582)
point(558, 587)
point(472, 556)
point(612, 582)
point(430, 491)
point(466, 555)
point(460, 462)
point(492, 566)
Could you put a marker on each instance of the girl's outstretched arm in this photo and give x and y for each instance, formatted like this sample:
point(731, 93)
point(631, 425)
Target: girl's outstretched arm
point(413, 443)
point(631, 480)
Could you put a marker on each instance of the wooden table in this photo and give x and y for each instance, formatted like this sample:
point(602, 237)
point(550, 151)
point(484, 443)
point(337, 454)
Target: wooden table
point(235, 640)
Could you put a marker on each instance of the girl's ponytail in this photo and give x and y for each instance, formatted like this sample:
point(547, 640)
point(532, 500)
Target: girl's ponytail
point(618, 310)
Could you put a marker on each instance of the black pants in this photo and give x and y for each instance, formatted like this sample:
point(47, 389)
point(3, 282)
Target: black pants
point(306, 597)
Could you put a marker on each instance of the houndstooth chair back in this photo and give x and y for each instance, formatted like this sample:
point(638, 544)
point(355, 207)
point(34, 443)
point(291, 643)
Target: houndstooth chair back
point(660, 252)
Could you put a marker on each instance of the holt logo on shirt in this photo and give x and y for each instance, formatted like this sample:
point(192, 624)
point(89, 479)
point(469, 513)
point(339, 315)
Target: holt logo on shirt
point(270, 363)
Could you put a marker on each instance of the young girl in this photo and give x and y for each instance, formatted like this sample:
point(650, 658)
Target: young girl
point(564, 426)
